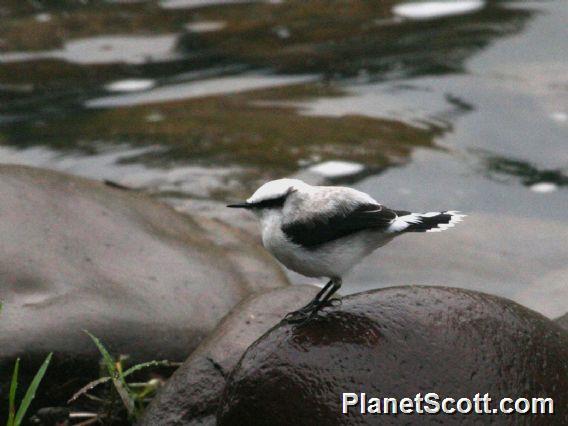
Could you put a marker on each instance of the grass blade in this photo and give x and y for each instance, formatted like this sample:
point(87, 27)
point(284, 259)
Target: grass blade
point(146, 365)
point(117, 378)
point(109, 362)
point(124, 393)
point(12, 397)
point(30, 393)
point(88, 387)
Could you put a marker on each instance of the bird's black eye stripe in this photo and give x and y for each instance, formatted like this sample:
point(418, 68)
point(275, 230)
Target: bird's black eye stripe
point(270, 204)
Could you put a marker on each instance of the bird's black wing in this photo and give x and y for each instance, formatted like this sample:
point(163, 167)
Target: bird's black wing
point(323, 229)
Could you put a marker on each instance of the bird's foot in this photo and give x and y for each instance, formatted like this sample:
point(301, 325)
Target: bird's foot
point(298, 317)
point(303, 314)
point(306, 313)
point(336, 301)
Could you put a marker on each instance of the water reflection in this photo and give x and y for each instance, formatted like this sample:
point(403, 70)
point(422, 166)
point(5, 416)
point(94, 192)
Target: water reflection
point(505, 169)
point(82, 58)
point(198, 89)
point(345, 41)
point(106, 49)
point(457, 104)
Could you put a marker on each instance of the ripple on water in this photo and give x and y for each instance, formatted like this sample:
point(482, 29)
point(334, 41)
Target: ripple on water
point(130, 85)
point(198, 89)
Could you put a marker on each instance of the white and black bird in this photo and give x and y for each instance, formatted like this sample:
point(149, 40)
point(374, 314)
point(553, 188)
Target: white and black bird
point(323, 231)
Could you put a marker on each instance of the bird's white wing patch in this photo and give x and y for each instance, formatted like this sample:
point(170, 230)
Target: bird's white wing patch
point(403, 222)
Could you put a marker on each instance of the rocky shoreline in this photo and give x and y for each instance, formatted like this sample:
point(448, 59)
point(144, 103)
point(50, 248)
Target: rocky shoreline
point(154, 284)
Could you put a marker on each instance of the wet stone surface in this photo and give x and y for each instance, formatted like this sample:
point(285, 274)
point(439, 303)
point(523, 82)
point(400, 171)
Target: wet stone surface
point(78, 255)
point(563, 321)
point(395, 342)
point(192, 395)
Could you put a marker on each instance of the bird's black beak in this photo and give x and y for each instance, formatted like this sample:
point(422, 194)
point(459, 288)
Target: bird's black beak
point(240, 206)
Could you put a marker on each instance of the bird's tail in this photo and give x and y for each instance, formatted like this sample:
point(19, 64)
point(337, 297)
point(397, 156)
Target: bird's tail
point(425, 222)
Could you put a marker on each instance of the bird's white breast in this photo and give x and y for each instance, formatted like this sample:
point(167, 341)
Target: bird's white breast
point(332, 259)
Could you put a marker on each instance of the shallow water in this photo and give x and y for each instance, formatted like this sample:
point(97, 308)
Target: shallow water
point(431, 107)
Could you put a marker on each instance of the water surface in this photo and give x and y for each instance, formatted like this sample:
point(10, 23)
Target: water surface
point(433, 106)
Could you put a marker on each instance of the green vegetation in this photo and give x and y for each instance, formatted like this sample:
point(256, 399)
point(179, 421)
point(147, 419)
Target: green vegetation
point(133, 396)
point(16, 416)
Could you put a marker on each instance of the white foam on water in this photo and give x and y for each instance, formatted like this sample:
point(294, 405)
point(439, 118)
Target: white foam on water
point(130, 85)
point(436, 9)
point(544, 187)
point(332, 169)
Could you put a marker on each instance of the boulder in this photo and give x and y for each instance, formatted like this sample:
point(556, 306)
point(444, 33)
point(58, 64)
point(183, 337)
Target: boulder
point(563, 321)
point(79, 255)
point(192, 395)
point(398, 342)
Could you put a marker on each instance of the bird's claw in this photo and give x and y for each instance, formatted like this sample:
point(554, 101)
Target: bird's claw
point(299, 317)
point(306, 313)
point(303, 314)
point(336, 301)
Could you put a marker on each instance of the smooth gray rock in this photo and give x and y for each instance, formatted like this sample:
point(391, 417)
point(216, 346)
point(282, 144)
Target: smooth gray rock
point(397, 342)
point(78, 255)
point(193, 393)
point(563, 321)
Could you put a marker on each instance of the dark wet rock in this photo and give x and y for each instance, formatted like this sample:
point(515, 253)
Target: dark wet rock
point(563, 321)
point(146, 280)
point(397, 342)
point(193, 393)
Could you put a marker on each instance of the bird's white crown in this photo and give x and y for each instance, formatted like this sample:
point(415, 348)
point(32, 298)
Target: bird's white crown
point(275, 189)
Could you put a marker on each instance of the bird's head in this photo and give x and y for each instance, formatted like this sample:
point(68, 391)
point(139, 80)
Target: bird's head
point(271, 196)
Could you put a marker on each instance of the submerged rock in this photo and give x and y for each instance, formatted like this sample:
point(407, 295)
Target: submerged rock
point(398, 342)
point(192, 395)
point(77, 255)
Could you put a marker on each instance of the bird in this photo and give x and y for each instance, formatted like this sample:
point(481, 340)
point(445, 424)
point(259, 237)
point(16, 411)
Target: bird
point(324, 231)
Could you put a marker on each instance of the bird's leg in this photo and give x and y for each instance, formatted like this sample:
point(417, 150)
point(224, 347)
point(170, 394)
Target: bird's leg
point(326, 299)
point(302, 312)
point(321, 299)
